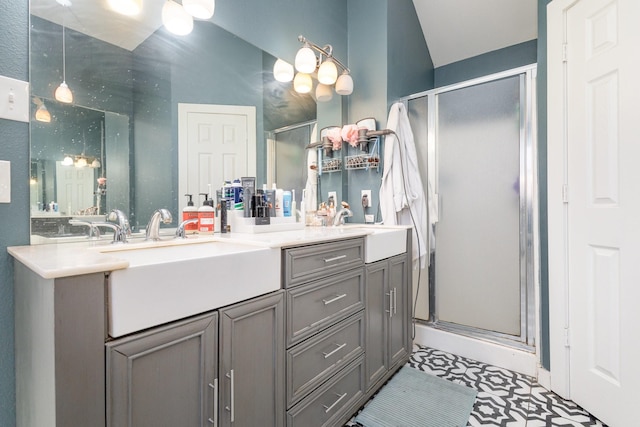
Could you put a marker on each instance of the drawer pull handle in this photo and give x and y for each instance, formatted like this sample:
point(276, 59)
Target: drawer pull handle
point(232, 408)
point(214, 386)
point(329, 408)
point(334, 299)
point(340, 347)
point(335, 258)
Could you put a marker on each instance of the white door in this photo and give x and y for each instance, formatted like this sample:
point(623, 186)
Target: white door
point(217, 143)
point(74, 188)
point(603, 206)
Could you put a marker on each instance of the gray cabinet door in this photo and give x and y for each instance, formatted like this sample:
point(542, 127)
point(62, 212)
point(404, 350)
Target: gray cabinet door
point(252, 359)
point(388, 312)
point(376, 314)
point(398, 289)
point(164, 377)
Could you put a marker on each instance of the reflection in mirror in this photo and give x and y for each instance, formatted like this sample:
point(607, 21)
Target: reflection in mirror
point(127, 77)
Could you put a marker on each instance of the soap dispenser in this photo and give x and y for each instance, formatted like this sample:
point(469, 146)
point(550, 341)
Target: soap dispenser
point(206, 215)
point(190, 212)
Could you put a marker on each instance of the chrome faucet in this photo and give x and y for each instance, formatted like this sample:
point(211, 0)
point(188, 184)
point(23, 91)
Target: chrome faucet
point(118, 222)
point(94, 232)
point(153, 227)
point(180, 231)
point(345, 212)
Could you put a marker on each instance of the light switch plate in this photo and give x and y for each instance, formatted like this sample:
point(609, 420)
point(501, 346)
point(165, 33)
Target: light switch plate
point(14, 99)
point(5, 181)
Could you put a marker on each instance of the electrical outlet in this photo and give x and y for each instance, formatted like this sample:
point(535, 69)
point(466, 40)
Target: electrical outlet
point(368, 219)
point(335, 197)
point(366, 193)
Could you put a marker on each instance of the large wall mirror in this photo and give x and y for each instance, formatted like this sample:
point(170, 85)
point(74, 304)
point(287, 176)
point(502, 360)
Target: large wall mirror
point(115, 146)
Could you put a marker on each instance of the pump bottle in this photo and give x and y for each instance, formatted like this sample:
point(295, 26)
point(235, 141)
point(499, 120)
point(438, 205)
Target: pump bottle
point(190, 212)
point(206, 215)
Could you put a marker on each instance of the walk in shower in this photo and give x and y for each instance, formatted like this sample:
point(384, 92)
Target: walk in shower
point(477, 144)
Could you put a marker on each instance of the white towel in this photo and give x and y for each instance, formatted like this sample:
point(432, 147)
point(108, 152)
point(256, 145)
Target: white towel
point(311, 188)
point(402, 199)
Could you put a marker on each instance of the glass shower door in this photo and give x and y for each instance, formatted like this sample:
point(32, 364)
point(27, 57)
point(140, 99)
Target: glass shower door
point(479, 238)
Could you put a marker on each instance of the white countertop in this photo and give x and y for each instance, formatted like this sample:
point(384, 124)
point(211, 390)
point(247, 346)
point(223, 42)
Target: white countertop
point(71, 259)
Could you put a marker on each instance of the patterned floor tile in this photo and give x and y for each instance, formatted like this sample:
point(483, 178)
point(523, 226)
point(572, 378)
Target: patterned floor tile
point(444, 365)
point(498, 381)
point(547, 408)
point(492, 410)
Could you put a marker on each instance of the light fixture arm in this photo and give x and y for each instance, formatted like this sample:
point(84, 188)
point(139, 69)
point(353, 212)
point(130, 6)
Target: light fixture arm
point(327, 51)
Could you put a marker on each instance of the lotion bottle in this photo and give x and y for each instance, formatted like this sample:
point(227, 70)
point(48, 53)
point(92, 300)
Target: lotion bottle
point(190, 212)
point(206, 215)
point(279, 201)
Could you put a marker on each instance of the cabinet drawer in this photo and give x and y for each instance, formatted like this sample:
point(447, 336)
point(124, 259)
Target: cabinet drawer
point(317, 261)
point(313, 361)
point(330, 402)
point(317, 305)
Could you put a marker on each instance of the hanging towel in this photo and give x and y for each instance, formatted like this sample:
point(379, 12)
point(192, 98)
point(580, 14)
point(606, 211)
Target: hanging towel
point(311, 188)
point(402, 199)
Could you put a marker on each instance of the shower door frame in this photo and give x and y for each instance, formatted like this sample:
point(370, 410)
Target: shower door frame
point(528, 208)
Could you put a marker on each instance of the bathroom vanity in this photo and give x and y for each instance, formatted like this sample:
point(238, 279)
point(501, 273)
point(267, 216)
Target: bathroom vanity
point(299, 329)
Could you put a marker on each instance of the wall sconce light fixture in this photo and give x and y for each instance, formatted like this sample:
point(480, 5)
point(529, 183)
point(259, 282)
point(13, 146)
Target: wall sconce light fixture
point(178, 19)
point(325, 65)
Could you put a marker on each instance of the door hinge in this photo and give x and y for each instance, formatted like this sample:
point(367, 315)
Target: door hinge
point(565, 54)
point(565, 193)
point(566, 338)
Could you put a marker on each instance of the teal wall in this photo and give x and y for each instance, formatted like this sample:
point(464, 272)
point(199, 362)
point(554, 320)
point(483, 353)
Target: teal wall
point(14, 230)
point(489, 63)
point(542, 183)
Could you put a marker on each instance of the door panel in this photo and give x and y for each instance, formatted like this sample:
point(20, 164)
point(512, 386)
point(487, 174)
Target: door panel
point(478, 275)
point(603, 206)
point(217, 143)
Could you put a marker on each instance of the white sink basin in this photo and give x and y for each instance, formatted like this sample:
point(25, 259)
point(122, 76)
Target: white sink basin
point(167, 283)
point(383, 242)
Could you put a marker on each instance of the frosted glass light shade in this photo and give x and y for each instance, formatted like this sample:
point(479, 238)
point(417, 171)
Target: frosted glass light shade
point(324, 93)
point(201, 9)
point(302, 83)
point(126, 7)
point(305, 60)
point(328, 72)
point(63, 93)
point(95, 164)
point(282, 71)
point(344, 85)
point(42, 114)
point(176, 19)
point(67, 161)
point(81, 162)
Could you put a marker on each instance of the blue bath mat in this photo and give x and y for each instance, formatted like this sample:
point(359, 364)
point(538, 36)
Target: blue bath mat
point(413, 398)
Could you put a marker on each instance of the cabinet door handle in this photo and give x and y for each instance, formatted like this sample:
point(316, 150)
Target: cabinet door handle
point(390, 311)
point(214, 386)
point(329, 408)
point(395, 299)
point(340, 347)
point(335, 258)
point(231, 409)
point(334, 299)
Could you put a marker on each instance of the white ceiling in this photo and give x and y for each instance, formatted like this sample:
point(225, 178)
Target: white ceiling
point(95, 18)
point(460, 29)
point(454, 29)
